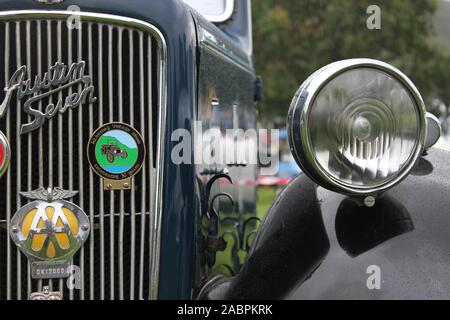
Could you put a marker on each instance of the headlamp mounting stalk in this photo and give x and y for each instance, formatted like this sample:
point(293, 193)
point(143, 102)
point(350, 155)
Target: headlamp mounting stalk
point(357, 127)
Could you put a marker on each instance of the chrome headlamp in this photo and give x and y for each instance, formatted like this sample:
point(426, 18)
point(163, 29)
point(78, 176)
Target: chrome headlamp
point(357, 126)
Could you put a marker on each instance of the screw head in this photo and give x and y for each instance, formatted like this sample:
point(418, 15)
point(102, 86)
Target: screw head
point(85, 227)
point(369, 201)
point(109, 186)
point(126, 185)
point(15, 229)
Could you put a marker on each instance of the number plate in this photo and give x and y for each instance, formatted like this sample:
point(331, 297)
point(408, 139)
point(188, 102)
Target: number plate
point(50, 270)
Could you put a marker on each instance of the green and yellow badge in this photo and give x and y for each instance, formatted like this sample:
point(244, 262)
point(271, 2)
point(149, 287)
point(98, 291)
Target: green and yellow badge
point(116, 152)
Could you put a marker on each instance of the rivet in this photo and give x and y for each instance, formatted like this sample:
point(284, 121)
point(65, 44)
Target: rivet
point(109, 186)
point(15, 229)
point(369, 201)
point(85, 227)
point(126, 185)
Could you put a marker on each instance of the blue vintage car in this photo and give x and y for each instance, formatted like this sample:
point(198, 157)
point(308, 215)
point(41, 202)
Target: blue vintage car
point(108, 191)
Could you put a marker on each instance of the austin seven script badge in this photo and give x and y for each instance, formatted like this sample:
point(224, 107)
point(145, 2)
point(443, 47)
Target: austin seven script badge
point(49, 231)
point(5, 154)
point(116, 152)
point(58, 78)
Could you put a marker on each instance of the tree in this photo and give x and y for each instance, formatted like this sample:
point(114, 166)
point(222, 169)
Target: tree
point(293, 38)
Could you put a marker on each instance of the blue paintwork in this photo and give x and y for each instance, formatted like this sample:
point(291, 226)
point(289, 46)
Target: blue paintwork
point(239, 28)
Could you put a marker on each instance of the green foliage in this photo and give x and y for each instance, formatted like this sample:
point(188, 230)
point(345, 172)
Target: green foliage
point(266, 196)
point(293, 38)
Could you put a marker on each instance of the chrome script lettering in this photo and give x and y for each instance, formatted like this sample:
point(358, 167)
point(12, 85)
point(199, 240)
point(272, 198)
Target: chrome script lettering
point(58, 77)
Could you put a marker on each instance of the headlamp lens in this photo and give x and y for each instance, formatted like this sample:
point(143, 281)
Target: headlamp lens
point(364, 127)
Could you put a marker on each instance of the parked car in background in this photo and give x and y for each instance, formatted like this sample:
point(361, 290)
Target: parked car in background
point(287, 168)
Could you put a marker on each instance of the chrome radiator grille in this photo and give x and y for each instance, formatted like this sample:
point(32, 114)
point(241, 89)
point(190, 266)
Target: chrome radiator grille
point(126, 62)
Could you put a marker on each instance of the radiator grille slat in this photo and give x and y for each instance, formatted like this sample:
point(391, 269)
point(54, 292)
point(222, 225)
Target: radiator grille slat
point(91, 181)
point(122, 210)
point(70, 51)
point(50, 125)
point(102, 208)
point(144, 171)
point(8, 174)
point(81, 156)
point(60, 127)
point(19, 162)
point(133, 195)
point(124, 62)
point(111, 196)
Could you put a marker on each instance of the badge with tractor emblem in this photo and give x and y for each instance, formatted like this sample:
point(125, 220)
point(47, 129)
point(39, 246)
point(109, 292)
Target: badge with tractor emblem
point(49, 231)
point(5, 154)
point(116, 152)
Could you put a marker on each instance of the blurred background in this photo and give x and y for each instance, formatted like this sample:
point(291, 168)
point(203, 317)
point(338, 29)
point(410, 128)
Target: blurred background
point(293, 38)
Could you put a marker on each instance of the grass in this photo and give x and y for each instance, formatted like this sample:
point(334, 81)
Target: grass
point(266, 196)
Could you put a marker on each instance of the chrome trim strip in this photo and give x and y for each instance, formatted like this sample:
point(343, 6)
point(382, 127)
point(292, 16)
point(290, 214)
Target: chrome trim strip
point(221, 49)
point(152, 192)
point(146, 27)
point(156, 247)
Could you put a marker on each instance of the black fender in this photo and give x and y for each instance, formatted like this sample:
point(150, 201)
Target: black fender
point(405, 237)
point(325, 245)
point(290, 245)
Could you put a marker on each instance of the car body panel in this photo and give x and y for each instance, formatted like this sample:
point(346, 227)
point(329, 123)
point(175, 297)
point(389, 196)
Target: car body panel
point(408, 238)
point(318, 244)
point(225, 102)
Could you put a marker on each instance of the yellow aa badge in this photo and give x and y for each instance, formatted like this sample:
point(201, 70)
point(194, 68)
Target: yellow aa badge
point(49, 231)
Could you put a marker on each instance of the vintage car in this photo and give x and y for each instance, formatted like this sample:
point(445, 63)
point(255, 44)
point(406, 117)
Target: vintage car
point(143, 76)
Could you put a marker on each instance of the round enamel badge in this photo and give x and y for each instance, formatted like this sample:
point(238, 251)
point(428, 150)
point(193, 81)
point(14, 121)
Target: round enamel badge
point(116, 152)
point(50, 227)
point(5, 154)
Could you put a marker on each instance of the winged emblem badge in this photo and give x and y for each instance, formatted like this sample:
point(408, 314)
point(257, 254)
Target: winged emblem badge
point(49, 230)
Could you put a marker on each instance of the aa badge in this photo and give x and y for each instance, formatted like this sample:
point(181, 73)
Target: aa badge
point(49, 231)
point(5, 154)
point(116, 152)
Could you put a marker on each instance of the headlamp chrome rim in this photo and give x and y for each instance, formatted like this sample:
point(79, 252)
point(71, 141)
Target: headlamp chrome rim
point(298, 126)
